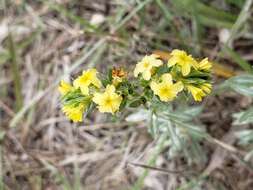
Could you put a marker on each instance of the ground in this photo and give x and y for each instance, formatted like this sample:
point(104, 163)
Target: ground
point(42, 42)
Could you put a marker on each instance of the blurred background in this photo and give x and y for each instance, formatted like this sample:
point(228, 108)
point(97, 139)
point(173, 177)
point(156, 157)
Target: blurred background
point(42, 42)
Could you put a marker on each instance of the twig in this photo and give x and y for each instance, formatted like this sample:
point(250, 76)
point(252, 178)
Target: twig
point(157, 150)
point(159, 169)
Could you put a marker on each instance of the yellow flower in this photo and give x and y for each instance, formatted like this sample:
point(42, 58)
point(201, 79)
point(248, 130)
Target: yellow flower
point(206, 87)
point(146, 65)
point(64, 87)
point(204, 65)
point(86, 79)
point(196, 92)
point(75, 113)
point(109, 101)
point(180, 58)
point(166, 90)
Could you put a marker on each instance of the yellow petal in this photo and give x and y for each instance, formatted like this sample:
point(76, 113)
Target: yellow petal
point(84, 90)
point(196, 92)
point(154, 87)
point(87, 78)
point(92, 71)
point(105, 109)
point(146, 75)
point(154, 61)
point(97, 97)
point(172, 61)
point(167, 78)
point(178, 87)
point(186, 69)
point(206, 87)
point(64, 87)
point(137, 69)
point(205, 65)
point(177, 52)
point(110, 89)
point(96, 82)
point(74, 113)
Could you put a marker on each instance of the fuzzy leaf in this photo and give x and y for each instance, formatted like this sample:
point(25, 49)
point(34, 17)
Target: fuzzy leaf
point(242, 84)
point(244, 117)
point(138, 116)
point(245, 136)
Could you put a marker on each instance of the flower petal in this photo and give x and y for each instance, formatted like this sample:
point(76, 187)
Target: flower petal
point(97, 97)
point(154, 87)
point(146, 75)
point(178, 87)
point(64, 87)
point(110, 89)
point(186, 69)
point(172, 61)
point(138, 69)
point(167, 78)
point(84, 90)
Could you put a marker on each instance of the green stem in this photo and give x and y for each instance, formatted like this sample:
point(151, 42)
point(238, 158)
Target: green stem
point(1, 170)
point(15, 72)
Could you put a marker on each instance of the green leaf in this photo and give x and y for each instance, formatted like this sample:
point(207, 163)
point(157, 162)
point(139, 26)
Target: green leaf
point(245, 136)
point(244, 117)
point(185, 114)
point(212, 12)
point(140, 115)
point(4, 56)
point(137, 102)
point(207, 15)
point(196, 132)
point(238, 59)
point(242, 84)
point(248, 156)
point(238, 3)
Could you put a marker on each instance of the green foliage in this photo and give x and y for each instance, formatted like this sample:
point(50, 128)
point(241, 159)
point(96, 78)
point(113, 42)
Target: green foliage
point(238, 3)
point(238, 59)
point(178, 126)
point(74, 98)
point(174, 131)
point(242, 84)
point(244, 117)
point(206, 15)
point(245, 136)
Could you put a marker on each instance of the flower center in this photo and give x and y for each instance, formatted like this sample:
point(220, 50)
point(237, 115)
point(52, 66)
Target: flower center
point(108, 101)
point(146, 65)
point(85, 79)
point(183, 58)
point(165, 91)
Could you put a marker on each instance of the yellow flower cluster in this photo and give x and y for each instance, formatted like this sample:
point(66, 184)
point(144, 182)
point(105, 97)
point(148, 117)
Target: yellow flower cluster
point(164, 81)
point(181, 62)
point(107, 101)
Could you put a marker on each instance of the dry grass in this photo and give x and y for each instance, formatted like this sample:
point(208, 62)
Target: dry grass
point(41, 149)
